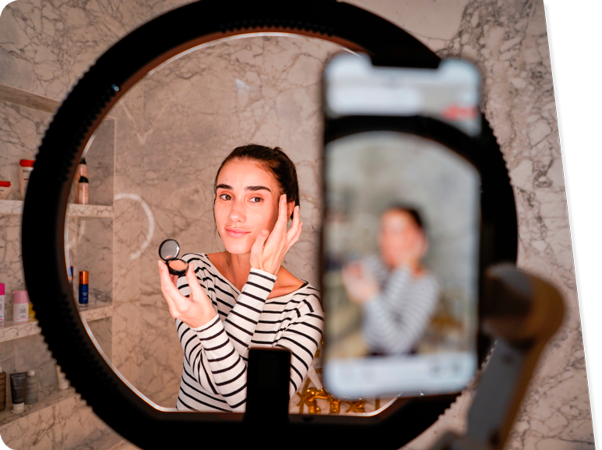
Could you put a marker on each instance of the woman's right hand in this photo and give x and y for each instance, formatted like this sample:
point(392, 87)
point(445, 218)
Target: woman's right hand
point(195, 310)
point(269, 249)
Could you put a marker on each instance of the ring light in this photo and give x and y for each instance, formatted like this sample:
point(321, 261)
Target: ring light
point(82, 111)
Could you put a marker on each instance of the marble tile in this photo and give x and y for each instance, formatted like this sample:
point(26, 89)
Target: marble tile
point(46, 47)
point(21, 131)
point(102, 330)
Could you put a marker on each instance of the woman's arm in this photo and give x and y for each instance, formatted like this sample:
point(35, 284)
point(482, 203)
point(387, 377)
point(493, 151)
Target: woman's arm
point(219, 356)
point(394, 324)
point(217, 352)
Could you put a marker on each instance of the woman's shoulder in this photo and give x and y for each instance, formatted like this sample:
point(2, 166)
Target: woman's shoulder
point(309, 298)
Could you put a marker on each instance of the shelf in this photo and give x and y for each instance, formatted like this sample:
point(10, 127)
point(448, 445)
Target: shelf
point(46, 398)
point(10, 330)
point(15, 207)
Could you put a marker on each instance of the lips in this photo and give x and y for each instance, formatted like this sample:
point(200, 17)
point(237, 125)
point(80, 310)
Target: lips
point(236, 232)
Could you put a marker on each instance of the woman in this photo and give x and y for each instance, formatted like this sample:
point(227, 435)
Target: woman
point(243, 297)
point(397, 293)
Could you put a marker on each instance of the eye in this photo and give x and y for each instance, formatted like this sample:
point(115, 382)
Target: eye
point(256, 199)
point(225, 196)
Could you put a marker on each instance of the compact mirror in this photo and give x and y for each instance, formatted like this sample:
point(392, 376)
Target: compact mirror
point(169, 251)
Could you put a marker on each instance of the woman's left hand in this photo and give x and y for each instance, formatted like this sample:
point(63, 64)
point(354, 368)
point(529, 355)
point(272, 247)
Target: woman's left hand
point(269, 249)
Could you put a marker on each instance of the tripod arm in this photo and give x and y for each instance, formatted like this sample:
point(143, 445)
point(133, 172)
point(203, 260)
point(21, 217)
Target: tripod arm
point(522, 312)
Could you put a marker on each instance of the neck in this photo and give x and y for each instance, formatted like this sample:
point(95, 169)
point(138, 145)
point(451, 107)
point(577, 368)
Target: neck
point(239, 267)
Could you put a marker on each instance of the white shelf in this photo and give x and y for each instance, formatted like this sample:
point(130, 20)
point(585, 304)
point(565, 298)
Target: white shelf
point(15, 207)
point(10, 330)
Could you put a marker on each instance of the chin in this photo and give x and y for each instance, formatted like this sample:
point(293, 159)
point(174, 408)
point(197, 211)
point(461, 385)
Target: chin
point(237, 247)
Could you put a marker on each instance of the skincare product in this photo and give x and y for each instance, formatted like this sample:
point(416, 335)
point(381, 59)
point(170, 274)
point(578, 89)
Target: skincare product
point(17, 390)
point(4, 189)
point(169, 251)
point(82, 171)
point(2, 389)
point(2, 302)
point(31, 389)
point(82, 191)
point(61, 379)
point(20, 306)
point(25, 169)
point(32, 313)
point(83, 288)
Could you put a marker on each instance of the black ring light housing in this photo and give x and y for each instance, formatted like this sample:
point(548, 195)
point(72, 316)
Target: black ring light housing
point(44, 215)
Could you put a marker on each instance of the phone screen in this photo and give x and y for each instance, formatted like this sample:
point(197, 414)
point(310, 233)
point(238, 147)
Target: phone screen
point(400, 252)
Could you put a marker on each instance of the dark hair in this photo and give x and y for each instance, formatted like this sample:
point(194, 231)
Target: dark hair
point(274, 160)
point(400, 207)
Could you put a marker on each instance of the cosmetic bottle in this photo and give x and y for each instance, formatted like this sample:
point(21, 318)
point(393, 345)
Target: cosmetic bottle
point(25, 169)
point(2, 302)
point(17, 390)
point(61, 379)
point(31, 388)
point(32, 313)
point(82, 191)
point(82, 171)
point(2, 389)
point(83, 288)
point(5, 189)
point(20, 306)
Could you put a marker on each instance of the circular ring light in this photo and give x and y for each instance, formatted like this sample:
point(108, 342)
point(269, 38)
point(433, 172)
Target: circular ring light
point(44, 215)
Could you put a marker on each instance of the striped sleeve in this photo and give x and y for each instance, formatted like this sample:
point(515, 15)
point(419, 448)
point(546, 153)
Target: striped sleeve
point(396, 319)
point(302, 337)
point(225, 345)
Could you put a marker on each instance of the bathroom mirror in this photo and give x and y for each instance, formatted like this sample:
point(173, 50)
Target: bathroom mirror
point(148, 206)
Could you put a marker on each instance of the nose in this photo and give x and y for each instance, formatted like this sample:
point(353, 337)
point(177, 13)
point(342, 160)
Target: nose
point(237, 211)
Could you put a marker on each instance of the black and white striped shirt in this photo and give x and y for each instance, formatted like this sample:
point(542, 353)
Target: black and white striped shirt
point(395, 320)
point(214, 375)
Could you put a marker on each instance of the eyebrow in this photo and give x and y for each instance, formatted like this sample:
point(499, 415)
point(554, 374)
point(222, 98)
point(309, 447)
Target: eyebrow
point(248, 188)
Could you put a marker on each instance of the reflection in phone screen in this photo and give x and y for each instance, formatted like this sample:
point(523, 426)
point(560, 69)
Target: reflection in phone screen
point(400, 246)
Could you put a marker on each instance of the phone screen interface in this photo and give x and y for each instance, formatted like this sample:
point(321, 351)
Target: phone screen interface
point(400, 284)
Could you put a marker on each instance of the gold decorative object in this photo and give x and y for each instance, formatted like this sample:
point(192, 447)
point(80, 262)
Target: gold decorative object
point(356, 406)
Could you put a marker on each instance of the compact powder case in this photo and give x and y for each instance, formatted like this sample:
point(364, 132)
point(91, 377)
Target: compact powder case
point(169, 251)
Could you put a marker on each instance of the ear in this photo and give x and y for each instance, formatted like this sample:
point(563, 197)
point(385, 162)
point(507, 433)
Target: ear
point(289, 209)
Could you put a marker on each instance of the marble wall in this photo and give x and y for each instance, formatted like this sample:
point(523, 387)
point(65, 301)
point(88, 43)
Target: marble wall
point(176, 125)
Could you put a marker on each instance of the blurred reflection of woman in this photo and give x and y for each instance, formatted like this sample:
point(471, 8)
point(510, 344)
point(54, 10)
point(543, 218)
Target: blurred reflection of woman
point(243, 297)
point(397, 293)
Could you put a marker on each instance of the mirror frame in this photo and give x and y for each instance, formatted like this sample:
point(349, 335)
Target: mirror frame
point(111, 397)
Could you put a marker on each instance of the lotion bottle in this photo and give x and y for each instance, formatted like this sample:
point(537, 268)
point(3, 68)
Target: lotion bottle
point(31, 388)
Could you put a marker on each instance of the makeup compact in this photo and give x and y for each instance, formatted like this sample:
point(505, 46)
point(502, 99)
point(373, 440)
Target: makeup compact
point(169, 251)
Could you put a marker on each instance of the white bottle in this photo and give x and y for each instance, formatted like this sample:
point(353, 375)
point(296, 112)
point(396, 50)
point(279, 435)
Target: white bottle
point(2, 300)
point(25, 169)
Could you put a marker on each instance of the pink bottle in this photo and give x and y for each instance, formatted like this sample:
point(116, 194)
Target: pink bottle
point(20, 306)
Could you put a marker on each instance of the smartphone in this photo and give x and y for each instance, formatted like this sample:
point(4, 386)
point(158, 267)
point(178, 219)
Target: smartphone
point(401, 228)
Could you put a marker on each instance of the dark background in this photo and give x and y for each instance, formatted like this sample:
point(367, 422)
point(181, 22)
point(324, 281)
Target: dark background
point(574, 37)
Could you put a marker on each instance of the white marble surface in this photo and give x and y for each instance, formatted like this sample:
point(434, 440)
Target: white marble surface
point(44, 48)
point(10, 330)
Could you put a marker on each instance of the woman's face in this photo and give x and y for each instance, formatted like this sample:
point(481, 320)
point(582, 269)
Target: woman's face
point(246, 203)
point(398, 232)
